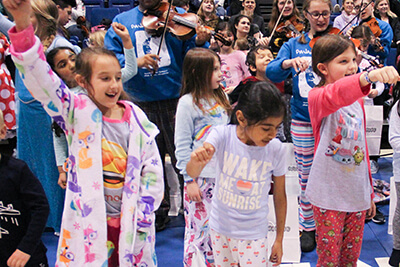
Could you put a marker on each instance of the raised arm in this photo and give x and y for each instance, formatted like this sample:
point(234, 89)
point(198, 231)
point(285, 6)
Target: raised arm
point(199, 159)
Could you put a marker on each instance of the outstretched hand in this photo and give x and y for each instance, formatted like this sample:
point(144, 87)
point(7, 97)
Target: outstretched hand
point(21, 11)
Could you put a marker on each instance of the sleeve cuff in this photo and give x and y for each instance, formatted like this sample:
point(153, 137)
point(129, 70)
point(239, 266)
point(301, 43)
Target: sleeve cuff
point(23, 40)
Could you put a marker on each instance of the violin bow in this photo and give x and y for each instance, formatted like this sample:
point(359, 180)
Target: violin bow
point(163, 34)
point(279, 18)
point(356, 16)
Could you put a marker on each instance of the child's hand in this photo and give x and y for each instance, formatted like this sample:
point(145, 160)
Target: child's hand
point(385, 75)
point(121, 31)
point(276, 253)
point(371, 212)
point(62, 180)
point(203, 155)
point(21, 11)
point(193, 191)
point(18, 259)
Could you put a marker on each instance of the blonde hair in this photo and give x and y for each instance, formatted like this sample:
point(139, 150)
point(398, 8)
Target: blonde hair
point(46, 13)
point(97, 38)
point(389, 13)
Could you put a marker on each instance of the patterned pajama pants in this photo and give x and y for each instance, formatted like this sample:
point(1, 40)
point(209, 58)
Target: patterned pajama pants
point(339, 236)
point(197, 232)
point(230, 252)
point(303, 141)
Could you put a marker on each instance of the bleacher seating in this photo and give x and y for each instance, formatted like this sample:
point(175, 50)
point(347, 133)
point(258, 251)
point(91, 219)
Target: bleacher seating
point(89, 5)
point(123, 5)
point(99, 13)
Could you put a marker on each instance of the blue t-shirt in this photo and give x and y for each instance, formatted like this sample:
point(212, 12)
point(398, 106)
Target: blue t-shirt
point(243, 180)
point(302, 83)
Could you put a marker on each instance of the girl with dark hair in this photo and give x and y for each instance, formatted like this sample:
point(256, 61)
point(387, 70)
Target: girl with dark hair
point(249, 7)
point(233, 62)
point(202, 106)
point(294, 58)
point(340, 184)
point(241, 29)
point(248, 158)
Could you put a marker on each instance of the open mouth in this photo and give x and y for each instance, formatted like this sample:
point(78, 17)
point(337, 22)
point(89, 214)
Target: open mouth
point(111, 95)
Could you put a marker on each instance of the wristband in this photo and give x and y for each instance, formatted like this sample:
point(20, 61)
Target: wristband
point(367, 78)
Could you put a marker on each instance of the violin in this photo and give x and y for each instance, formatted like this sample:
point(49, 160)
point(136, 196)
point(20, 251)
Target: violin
point(373, 24)
point(374, 63)
point(183, 26)
point(329, 30)
point(290, 27)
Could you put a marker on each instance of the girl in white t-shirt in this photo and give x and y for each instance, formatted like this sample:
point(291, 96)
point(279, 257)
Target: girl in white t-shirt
point(248, 158)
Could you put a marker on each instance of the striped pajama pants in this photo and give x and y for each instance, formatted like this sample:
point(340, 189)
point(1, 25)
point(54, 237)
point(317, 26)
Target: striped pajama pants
point(303, 141)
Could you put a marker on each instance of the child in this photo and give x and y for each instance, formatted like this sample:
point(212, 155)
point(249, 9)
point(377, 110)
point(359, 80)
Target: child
point(233, 62)
point(115, 179)
point(248, 158)
point(203, 105)
point(340, 184)
point(257, 60)
point(23, 212)
point(62, 61)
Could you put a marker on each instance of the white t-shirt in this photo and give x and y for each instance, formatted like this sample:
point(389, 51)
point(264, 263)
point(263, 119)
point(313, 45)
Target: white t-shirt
point(243, 180)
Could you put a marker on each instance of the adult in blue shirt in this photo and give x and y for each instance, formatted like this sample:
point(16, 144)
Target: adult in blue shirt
point(156, 86)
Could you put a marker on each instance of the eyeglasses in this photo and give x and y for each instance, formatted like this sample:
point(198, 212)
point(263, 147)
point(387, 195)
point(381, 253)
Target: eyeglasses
point(360, 7)
point(315, 15)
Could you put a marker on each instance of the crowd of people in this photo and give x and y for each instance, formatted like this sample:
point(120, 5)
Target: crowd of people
point(91, 113)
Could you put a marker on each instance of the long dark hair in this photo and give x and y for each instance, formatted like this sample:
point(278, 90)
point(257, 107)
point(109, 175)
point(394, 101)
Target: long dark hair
point(198, 67)
point(261, 101)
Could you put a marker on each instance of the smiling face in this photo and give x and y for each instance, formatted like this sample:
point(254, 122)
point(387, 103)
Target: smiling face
point(249, 5)
point(318, 24)
point(343, 65)
point(243, 25)
point(105, 85)
point(64, 65)
point(259, 134)
point(348, 6)
point(382, 7)
point(288, 9)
